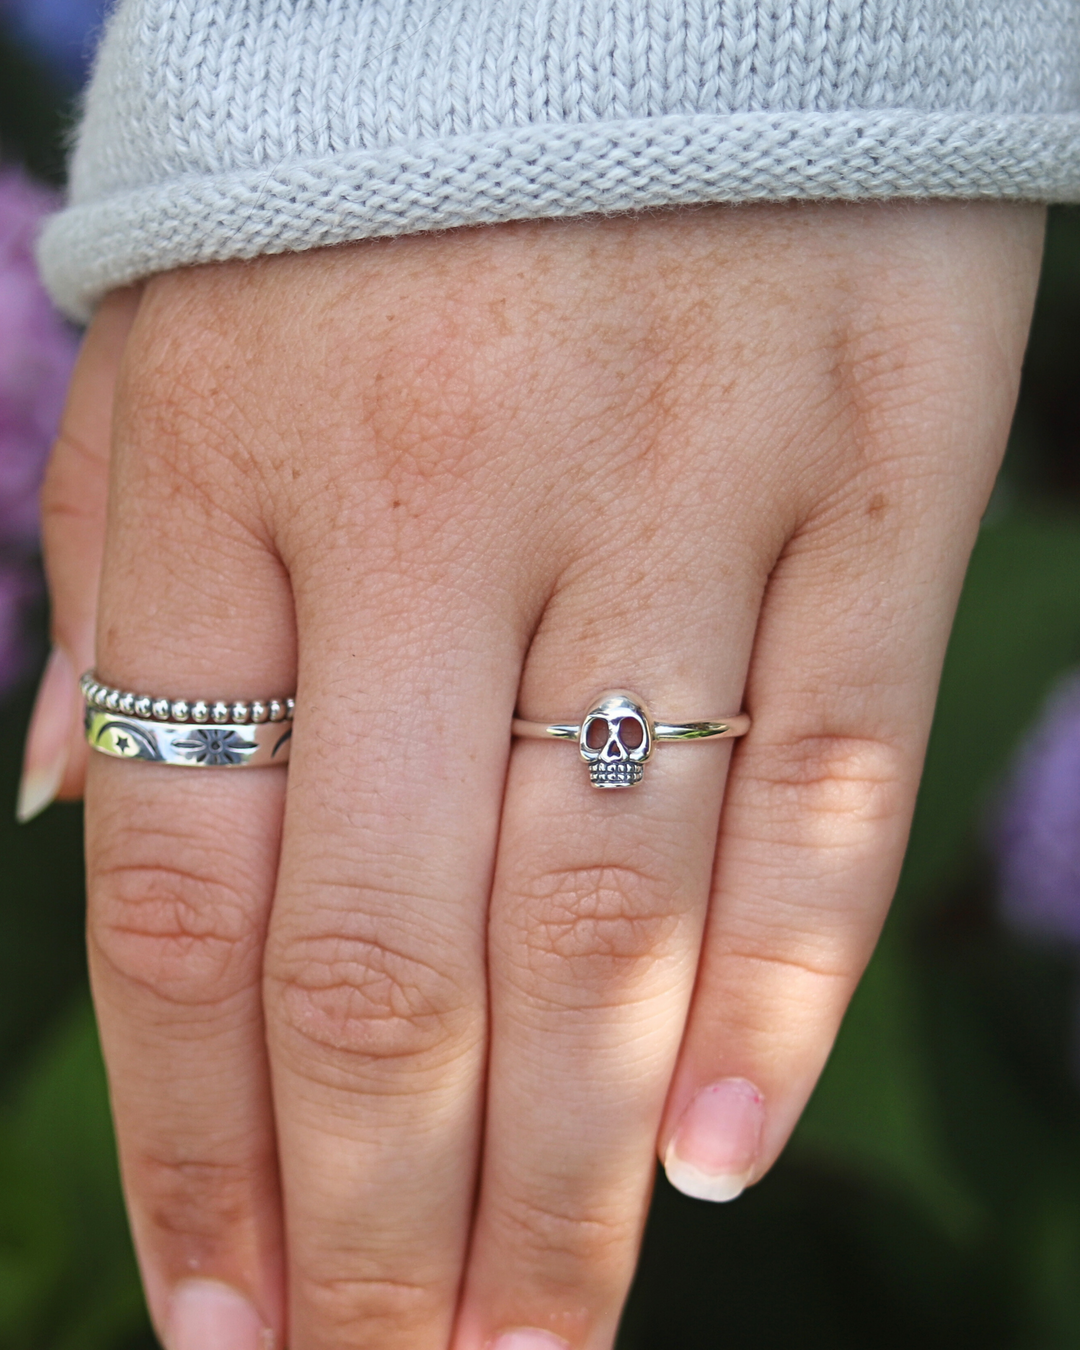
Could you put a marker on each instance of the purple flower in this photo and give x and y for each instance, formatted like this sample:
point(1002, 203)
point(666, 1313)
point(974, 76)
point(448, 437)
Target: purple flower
point(1036, 829)
point(37, 350)
point(63, 32)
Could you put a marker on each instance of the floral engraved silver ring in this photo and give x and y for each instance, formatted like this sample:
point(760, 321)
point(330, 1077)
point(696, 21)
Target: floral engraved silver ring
point(202, 734)
point(617, 735)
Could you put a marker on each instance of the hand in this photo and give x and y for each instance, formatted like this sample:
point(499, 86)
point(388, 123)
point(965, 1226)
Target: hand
point(393, 1039)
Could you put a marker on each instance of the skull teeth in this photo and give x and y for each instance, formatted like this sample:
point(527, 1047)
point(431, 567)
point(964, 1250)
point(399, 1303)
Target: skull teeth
point(622, 773)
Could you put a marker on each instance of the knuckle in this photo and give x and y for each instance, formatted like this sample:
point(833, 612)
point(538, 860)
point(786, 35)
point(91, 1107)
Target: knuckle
point(785, 1006)
point(73, 488)
point(184, 417)
point(196, 1200)
point(191, 937)
point(602, 915)
point(428, 417)
point(807, 962)
point(358, 1310)
point(366, 996)
point(828, 791)
point(561, 1240)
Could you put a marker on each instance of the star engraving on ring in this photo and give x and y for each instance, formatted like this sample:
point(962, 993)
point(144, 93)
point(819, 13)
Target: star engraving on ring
point(214, 746)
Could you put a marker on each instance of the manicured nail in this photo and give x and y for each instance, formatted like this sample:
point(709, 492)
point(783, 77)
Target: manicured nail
point(528, 1338)
point(715, 1147)
point(48, 742)
point(206, 1315)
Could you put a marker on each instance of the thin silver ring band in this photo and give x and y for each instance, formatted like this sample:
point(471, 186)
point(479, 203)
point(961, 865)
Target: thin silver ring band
point(200, 733)
point(723, 728)
point(617, 735)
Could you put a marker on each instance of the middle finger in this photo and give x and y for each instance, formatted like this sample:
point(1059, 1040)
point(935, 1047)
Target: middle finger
point(375, 966)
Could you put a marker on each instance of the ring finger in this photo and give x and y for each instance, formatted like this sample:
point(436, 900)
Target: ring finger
point(595, 928)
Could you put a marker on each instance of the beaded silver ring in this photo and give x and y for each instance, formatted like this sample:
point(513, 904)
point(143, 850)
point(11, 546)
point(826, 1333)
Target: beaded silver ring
point(199, 733)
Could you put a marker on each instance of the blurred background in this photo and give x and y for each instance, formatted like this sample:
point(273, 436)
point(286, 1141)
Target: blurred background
point(931, 1195)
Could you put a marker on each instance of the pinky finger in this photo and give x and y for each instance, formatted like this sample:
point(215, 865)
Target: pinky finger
point(842, 684)
point(812, 837)
point(73, 530)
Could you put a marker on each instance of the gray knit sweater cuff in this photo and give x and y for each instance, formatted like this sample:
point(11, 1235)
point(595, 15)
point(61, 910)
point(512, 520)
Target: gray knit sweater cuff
point(220, 129)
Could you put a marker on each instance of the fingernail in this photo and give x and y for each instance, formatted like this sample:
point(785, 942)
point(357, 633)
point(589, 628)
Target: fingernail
point(206, 1315)
point(48, 742)
point(528, 1338)
point(715, 1147)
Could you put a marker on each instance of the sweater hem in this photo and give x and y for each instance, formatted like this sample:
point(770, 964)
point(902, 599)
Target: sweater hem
point(552, 170)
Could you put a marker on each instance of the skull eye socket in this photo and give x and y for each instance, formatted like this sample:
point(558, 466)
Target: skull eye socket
point(631, 732)
point(597, 734)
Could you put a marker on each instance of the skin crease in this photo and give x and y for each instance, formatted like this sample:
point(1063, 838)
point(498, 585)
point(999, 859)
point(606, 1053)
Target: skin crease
point(723, 456)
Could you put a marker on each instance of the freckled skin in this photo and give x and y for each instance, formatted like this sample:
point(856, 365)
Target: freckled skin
point(393, 1042)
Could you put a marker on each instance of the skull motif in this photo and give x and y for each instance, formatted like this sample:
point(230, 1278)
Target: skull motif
point(616, 739)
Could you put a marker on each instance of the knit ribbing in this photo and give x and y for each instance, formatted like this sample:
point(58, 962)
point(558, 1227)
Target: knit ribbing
point(228, 128)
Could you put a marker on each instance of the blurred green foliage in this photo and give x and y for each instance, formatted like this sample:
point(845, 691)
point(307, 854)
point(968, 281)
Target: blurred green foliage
point(931, 1194)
